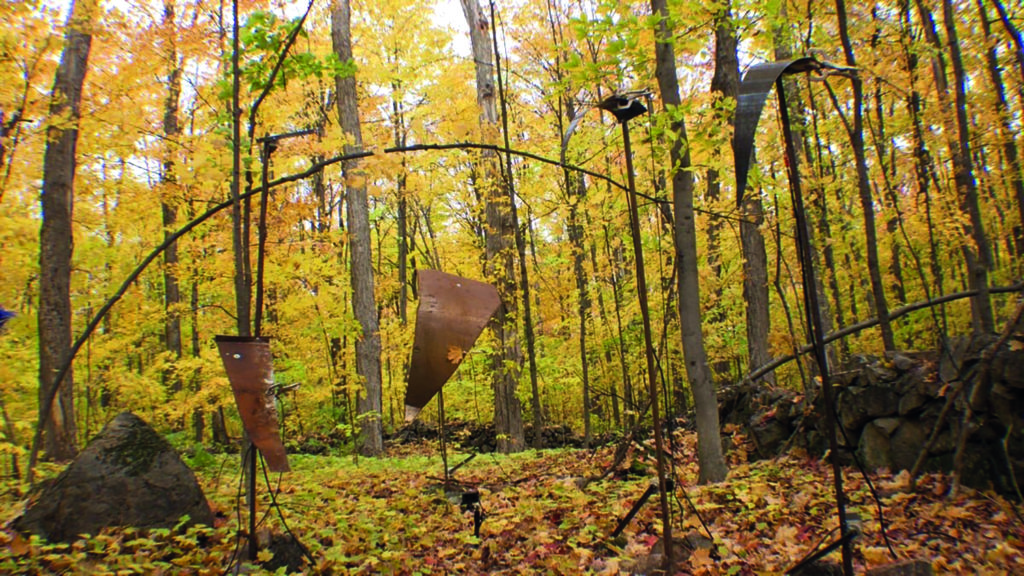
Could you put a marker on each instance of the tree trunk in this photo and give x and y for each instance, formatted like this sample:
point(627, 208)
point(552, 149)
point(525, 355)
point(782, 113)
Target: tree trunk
point(399, 132)
point(55, 236)
point(924, 167)
point(885, 149)
point(520, 244)
point(239, 232)
point(1007, 134)
point(576, 192)
point(724, 85)
point(198, 414)
point(709, 442)
point(168, 203)
point(507, 358)
point(617, 278)
point(864, 187)
point(755, 284)
point(613, 389)
point(782, 44)
point(978, 257)
point(358, 213)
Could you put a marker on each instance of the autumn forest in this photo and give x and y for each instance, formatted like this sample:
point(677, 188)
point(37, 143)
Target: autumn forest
point(174, 170)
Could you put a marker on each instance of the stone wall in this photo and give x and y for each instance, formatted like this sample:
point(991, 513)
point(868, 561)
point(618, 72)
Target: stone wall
point(889, 407)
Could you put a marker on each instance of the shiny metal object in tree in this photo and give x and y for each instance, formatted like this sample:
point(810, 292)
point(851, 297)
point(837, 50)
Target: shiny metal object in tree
point(452, 313)
point(250, 369)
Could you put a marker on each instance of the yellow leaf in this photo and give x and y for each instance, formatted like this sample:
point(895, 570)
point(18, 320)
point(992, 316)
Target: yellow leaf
point(264, 555)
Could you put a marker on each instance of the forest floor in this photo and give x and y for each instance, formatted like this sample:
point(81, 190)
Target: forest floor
point(392, 516)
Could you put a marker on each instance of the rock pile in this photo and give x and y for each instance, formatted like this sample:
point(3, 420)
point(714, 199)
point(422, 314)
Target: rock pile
point(888, 409)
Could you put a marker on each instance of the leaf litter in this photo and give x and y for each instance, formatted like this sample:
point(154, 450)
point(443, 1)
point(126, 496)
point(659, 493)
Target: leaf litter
point(548, 512)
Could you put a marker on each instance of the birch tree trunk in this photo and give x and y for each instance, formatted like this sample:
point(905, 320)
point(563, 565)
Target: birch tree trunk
point(55, 235)
point(358, 213)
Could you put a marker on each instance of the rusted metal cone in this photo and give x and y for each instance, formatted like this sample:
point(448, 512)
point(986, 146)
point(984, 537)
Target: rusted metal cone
point(452, 313)
point(251, 372)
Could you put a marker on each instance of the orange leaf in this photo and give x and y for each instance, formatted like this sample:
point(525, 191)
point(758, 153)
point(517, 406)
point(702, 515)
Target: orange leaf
point(455, 354)
point(20, 546)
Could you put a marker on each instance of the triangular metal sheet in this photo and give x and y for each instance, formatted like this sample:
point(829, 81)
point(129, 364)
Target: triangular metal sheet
point(753, 92)
point(452, 313)
point(250, 370)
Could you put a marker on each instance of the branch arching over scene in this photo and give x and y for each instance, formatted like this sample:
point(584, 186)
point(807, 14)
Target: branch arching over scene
point(46, 404)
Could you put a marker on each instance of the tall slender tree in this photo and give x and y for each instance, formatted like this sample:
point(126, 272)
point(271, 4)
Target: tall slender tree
point(709, 441)
point(1007, 133)
point(856, 133)
point(507, 358)
point(978, 257)
point(55, 236)
point(169, 201)
point(368, 365)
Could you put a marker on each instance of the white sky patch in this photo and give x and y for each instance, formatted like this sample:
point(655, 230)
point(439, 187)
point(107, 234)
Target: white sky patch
point(448, 14)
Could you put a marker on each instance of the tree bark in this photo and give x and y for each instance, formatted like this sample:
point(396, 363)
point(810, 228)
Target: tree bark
point(755, 283)
point(885, 150)
point(239, 230)
point(1008, 134)
point(856, 134)
point(782, 45)
point(519, 237)
point(499, 254)
point(724, 85)
point(617, 277)
point(576, 192)
point(168, 204)
point(709, 442)
point(368, 347)
point(924, 166)
point(55, 236)
point(979, 256)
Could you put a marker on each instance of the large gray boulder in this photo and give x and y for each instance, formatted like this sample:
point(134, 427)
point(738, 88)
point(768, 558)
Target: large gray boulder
point(127, 476)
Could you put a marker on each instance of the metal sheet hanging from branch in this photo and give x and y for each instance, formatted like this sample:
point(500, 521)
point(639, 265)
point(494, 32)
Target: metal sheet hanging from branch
point(753, 91)
point(250, 369)
point(452, 313)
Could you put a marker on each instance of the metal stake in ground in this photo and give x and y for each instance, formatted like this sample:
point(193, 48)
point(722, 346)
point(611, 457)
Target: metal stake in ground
point(754, 89)
point(625, 108)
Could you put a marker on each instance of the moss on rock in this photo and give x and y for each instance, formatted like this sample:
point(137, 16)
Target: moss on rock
point(139, 449)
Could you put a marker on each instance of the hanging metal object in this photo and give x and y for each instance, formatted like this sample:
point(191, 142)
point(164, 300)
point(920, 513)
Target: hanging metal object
point(625, 106)
point(452, 313)
point(753, 92)
point(757, 83)
point(250, 369)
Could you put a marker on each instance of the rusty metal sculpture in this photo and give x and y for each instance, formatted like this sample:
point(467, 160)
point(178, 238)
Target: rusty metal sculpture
point(452, 313)
point(248, 363)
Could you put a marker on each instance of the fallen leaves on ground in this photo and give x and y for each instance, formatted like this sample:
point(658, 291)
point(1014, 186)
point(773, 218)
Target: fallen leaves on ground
point(392, 516)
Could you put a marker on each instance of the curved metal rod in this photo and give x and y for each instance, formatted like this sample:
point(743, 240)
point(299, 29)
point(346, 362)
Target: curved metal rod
point(46, 407)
